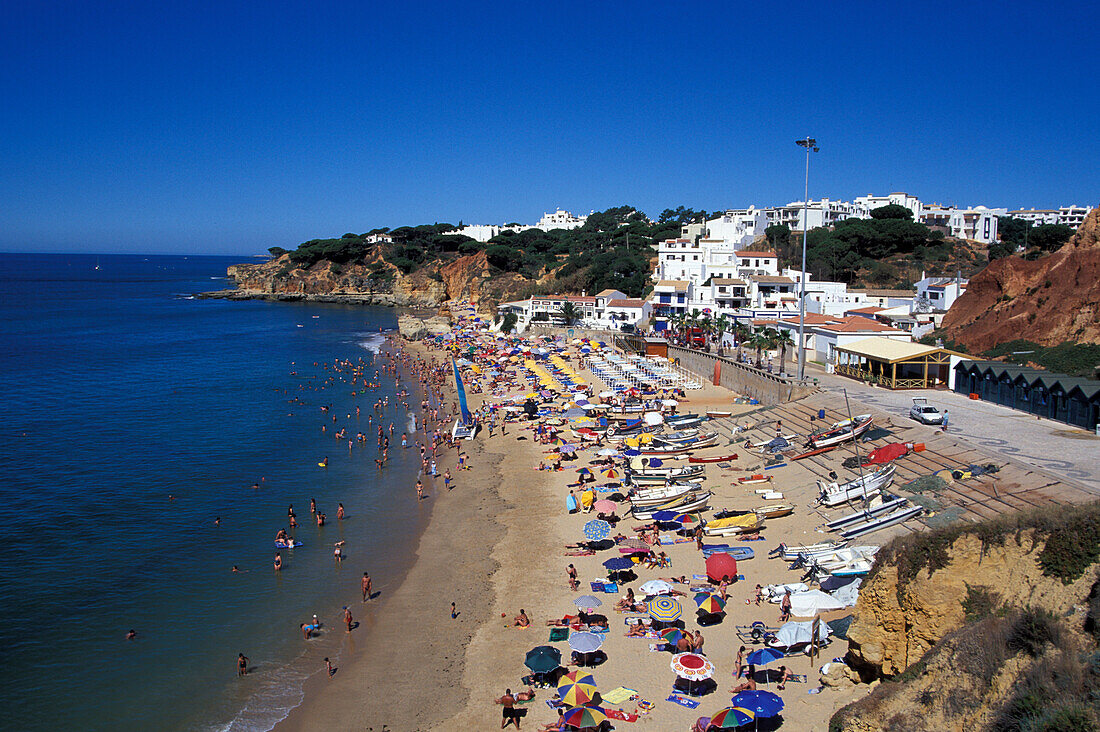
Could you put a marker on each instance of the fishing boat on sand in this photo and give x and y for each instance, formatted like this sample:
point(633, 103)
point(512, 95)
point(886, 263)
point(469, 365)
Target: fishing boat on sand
point(791, 553)
point(842, 431)
point(897, 516)
point(664, 494)
point(733, 525)
point(688, 504)
point(715, 459)
point(865, 486)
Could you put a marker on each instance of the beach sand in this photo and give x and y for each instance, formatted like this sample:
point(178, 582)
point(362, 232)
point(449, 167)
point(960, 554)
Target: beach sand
point(495, 544)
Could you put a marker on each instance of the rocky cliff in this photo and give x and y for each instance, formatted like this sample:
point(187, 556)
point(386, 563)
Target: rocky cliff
point(989, 626)
point(1049, 300)
point(377, 282)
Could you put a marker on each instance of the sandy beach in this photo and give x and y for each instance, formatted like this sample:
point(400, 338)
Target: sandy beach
point(496, 544)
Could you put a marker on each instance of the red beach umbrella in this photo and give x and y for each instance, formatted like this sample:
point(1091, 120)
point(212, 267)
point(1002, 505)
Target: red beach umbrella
point(721, 565)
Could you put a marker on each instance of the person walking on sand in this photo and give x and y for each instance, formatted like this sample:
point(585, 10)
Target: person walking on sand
point(366, 585)
point(572, 573)
point(785, 607)
point(328, 667)
point(242, 664)
point(447, 479)
point(347, 618)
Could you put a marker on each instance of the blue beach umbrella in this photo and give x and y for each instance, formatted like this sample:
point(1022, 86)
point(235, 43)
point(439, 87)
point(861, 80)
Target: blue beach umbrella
point(632, 453)
point(764, 703)
point(597, 529)
point(664, 516)
point(617, 564)
point(588, 601)
point(763, 657)
point(543, 659)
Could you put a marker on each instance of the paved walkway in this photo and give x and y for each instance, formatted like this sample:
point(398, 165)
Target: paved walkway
point(1057, 448)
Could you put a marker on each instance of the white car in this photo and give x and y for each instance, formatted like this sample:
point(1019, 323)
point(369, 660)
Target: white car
point(925, 413)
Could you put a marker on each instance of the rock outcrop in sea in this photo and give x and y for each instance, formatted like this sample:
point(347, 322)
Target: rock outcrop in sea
point(377, 282)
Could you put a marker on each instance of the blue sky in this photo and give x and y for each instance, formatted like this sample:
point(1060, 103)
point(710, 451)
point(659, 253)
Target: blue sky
point(231, 127)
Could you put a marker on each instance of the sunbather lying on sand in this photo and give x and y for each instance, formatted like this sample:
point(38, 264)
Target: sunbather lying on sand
point(637, 630)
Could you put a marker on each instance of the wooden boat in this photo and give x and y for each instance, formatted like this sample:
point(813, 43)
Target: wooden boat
point(811, 453)
point(463, 431)
point(774, 510)
point(733, 525)
point(664, 494)
point(896, 516)
point(842, 431)
point(740, 553)
point(693, 421)
point(750, 479)
point(867, 514)
point(718, 459)
point(865, 486)
point(715, 414)
point(662, 468)
point(791, 553)
point(680, 436)
point(650, 480)
point(689, 504)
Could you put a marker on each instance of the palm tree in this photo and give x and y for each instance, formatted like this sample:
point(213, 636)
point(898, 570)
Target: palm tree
point(783, 340)
point(721, 325)
point(706, 325)
point(760, 341)
point(570, 313)
point(741, 335)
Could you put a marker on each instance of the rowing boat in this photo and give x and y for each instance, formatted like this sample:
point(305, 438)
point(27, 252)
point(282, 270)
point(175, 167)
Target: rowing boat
point(718, 459)
point(842, 431)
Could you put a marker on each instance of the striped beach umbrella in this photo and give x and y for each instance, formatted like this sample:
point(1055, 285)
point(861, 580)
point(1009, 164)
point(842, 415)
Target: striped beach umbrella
point(612, 473)
point(582, 717)
point(672, 636)
point(577, 688)
point(710, 604)
point(665, 609)
point(731, 718)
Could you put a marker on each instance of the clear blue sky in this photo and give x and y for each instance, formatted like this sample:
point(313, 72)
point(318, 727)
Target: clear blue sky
point(230, 127)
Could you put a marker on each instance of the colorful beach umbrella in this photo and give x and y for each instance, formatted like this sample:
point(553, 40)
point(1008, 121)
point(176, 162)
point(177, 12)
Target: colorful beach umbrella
point(692, 666)
point(543, 659)
point(763, 703)
point(582, 717)
point(672, 636)
point(731, 718)
point(634, 544)
point(585, 642)
point(665, 609)
point(567, 448)
point(597, 529)
point(710, 604)
point(587, 601)
point(577, 688)
point(612, 473)
point(584, 471)
point(605, 506)
point(763, 657)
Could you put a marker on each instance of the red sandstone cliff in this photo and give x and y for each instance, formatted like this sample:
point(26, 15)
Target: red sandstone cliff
point(1048, 300)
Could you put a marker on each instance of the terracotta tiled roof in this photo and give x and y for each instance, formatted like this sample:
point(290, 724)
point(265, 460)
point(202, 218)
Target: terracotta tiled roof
point(628, 303)
point(761, 255)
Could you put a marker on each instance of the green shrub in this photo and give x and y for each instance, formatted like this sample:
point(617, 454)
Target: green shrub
point(1032, 631)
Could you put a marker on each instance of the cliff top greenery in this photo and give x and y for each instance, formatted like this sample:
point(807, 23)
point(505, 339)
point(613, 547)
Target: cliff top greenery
point(615, 248)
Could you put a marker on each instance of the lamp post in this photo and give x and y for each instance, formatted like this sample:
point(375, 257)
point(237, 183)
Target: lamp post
point(811, 146)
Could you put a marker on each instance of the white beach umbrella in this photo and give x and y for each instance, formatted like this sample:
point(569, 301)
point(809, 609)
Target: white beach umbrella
point(655, 587)
point(653, 418)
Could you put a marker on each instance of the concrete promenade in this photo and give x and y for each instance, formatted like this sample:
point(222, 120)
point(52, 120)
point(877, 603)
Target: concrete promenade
point(1067, 452)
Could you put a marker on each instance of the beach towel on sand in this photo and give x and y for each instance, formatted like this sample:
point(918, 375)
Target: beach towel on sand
point(619, 695)
point(683, 701)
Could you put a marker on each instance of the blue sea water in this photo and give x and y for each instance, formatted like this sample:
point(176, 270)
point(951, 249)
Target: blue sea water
point(119, 391)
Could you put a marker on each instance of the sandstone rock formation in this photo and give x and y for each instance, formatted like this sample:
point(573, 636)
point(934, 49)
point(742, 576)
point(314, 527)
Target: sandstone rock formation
point(1049, 300)
point(897, 622)
point(378, 282)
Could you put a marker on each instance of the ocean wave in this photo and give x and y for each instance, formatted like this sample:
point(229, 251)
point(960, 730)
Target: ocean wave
point(372, 342)
point(279, 693)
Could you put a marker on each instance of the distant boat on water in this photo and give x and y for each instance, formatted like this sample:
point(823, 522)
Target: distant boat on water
point(97, 263)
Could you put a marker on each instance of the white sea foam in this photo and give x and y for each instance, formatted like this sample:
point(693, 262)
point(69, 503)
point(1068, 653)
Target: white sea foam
point(372, 342)
point(279, 692)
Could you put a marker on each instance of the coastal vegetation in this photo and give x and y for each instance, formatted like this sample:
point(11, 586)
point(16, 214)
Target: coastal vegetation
point(1033, 241)
point(1010, 665)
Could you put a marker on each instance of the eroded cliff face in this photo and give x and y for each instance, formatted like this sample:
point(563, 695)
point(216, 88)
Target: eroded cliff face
point(894, 627)
point(1049, 300)
point(376, 281)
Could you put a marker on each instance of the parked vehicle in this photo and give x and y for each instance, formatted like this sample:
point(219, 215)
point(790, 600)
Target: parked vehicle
point(925, 413)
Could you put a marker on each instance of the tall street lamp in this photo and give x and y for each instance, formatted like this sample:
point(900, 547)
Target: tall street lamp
point(811, 146)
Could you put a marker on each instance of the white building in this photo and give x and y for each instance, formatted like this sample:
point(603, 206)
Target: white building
point(940, 292)
point(976, 224)
point(739, 227)
point(1073, 215)
point(560, 219)
point(1037, 217)
point(825, 333)
point(871, 202)
point(823, 212)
